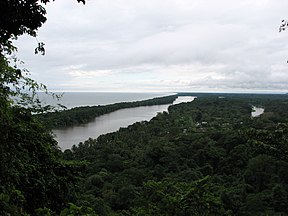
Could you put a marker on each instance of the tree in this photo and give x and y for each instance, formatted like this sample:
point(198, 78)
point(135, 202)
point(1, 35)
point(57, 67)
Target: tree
point(178, 199)
point(283, 26)
point(18, 17)
point(33, 175)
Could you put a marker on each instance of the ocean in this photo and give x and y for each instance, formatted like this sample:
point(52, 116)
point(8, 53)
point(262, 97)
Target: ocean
point(75, 99)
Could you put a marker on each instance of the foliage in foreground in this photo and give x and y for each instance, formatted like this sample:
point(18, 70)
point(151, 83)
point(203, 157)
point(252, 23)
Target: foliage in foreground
point(34, 178)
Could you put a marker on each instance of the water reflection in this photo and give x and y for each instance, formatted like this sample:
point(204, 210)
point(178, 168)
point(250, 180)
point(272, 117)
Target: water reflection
point(107, 123)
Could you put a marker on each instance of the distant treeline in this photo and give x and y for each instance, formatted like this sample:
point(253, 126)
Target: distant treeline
point(85, 114)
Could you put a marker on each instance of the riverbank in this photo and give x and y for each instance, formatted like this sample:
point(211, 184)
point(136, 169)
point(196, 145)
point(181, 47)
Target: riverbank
point(172, 164)
point(110, 122)
point(82, 115)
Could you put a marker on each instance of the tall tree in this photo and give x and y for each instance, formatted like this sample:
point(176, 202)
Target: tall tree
point(32, 175)
point(18, 17)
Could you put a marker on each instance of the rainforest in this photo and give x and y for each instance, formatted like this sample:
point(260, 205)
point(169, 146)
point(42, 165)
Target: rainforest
point(205, 157)
point(216, 155)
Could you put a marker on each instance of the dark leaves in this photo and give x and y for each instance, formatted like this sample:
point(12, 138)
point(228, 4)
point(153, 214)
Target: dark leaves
point(83, 1)
point(283, 25)
point(40, 48)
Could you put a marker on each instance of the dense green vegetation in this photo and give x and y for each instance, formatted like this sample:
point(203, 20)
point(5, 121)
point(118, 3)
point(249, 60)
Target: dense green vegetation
point(82, 115)
point(206, 157)
point(34, 177)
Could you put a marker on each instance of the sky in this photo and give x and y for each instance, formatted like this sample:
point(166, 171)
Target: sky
point(161, 46)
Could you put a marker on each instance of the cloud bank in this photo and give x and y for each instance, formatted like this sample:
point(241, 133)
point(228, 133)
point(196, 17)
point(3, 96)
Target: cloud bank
point(173, 45)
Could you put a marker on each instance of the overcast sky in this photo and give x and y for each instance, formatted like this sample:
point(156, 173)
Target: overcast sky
point(161, 46)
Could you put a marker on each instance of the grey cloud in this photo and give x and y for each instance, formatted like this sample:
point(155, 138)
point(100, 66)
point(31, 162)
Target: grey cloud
point(172, 40)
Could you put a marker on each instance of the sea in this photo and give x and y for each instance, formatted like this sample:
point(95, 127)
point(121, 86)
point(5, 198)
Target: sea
point(76, 99)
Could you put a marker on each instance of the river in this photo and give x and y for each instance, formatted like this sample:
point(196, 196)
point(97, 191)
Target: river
point(67, 137)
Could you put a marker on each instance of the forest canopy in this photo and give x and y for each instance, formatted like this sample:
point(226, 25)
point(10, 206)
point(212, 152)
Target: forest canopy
point(206, 157)
point(34, 177)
